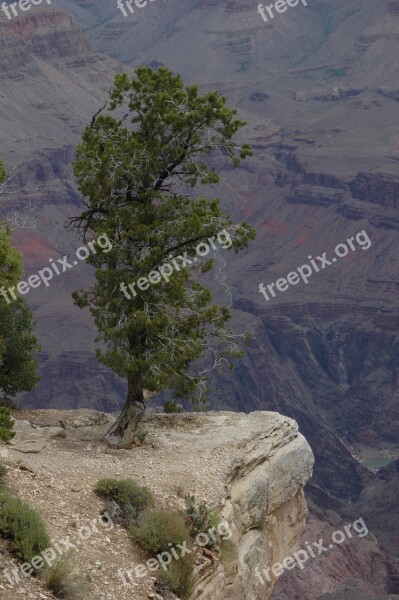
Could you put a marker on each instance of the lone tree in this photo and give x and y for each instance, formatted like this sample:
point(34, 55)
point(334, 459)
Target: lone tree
point(18, 364)
point(136, 165)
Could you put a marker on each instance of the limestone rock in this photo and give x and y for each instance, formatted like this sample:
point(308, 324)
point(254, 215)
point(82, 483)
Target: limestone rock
point(32, 439)
point(263, 501)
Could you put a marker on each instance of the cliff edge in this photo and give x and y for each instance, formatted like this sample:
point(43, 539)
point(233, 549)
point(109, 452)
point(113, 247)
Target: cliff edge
point(251, 468)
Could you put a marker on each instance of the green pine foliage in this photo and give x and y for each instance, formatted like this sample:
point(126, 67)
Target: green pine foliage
point(137, 174)
point(18, 362)
point(170, 406)
point(18, 345)
point(6, 424)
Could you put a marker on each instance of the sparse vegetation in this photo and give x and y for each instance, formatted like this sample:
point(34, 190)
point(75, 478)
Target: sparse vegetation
point(160, 528)
point(200, 519)
point(129, 499)
point(179, 576)
point(262, 524)
point(171, 407)
point(3, 473)
point(141, 436)
point(180, 491)
point(63, 580)
point(22, 526)
point(6, 424)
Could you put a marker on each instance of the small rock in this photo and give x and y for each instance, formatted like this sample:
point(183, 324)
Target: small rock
point(29, 446)
point(56, 433)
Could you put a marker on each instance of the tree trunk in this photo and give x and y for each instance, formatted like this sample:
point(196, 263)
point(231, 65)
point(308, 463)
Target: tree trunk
point(122, 432)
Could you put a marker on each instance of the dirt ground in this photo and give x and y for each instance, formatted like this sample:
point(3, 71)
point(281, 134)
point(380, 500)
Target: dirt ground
point(58, 480)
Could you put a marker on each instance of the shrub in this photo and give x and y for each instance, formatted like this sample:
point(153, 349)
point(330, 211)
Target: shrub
point(6, 424)
point(179, 576)
point(262, 524)
point(3, 472)
point(200, 519)
point(160, 528)
point(22, 526)
point(226, 550)
point(141, 436)
point(171, 407)
point(131, 499)
point(157, 532)
point(63, 581)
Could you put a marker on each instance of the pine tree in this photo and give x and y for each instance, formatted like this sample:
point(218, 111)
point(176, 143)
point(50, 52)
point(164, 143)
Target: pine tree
point(6, 424)
point(18, 345)
point(137, 166)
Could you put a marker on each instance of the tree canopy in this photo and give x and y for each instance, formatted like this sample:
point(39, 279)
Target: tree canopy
point(18, 345)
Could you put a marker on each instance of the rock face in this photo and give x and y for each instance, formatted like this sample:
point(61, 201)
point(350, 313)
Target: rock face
point(379, 506)
point(359, 562)
point(357, 594)
point(57, 82)
point(263, 502)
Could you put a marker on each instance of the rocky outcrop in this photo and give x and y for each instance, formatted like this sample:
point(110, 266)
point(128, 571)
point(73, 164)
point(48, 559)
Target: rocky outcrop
point(380, 188)
point(310, 188)
point(251, 469)
point(42, 34)
point(263, 502)
point(49, 72)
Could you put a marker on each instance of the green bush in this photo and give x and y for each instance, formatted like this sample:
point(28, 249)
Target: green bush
point(171, 407)
point(141, 436)
point(160, 528)
point(3, 473)
point(131, 498)
point(6, 424)
point(179, 576)
point(125, 491)
point(22, 526)
point(63, 581)
point(200, 519)
point(156, 532)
